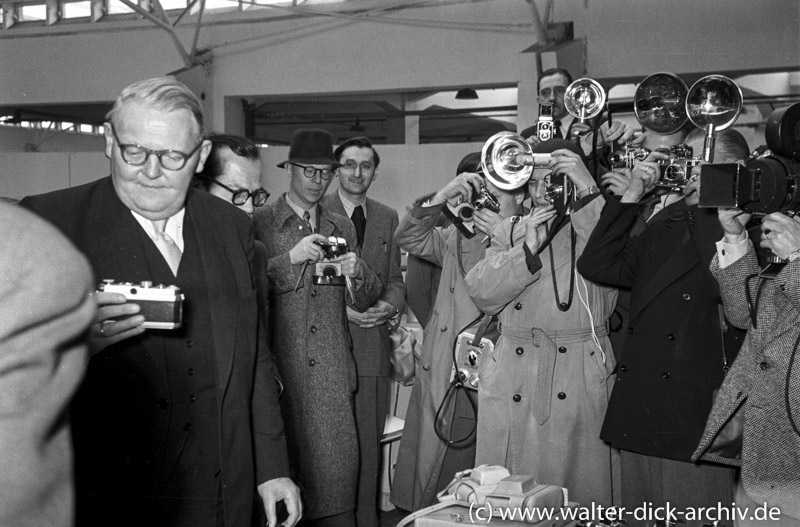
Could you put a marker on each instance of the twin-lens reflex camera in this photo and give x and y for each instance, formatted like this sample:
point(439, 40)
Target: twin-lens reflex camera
point(161, 305)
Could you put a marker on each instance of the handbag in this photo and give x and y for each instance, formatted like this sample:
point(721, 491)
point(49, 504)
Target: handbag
point(404, 355)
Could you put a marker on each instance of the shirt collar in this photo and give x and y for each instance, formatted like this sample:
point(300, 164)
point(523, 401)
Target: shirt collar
point(173, 229)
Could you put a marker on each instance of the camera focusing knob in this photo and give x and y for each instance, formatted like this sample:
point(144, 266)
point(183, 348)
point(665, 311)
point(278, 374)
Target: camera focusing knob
point(145, 283)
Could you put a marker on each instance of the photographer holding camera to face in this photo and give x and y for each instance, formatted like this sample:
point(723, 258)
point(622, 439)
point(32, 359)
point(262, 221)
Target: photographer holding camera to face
point(677, 347)
point(426, 463)
point(543, 391)
point(754, 419)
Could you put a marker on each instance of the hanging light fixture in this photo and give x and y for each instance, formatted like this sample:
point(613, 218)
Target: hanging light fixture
point(466, 93)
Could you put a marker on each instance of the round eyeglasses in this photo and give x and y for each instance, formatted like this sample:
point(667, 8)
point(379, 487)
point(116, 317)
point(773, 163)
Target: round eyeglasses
point(310, 172)
point(351, 166)
point(240, 197)
point(136, 155)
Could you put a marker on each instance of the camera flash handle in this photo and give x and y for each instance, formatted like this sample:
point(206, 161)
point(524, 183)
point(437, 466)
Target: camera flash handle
point(708, 147)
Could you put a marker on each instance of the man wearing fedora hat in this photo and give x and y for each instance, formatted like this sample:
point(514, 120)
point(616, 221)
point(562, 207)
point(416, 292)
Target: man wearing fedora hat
point(310, 338)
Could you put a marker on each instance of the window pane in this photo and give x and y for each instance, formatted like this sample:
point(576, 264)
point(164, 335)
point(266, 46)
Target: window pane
point(115, 7)
point(76, 9)
point(173, 4)
point(28, 13)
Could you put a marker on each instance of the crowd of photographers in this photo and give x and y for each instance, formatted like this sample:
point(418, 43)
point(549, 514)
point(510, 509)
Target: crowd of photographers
point(610, 363)
point(605, 324)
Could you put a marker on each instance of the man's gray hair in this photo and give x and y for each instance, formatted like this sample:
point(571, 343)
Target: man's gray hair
point(163, 93)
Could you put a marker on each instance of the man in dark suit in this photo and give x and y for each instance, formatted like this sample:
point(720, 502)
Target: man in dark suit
point(171, 427)
point(678, 346)
point(309, 332)
point(44, 316)
point(375, 224)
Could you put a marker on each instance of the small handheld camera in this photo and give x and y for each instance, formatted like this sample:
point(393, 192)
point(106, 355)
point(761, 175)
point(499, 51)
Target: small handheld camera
point(461, 215)
point(628, 156)
point(327, 272)
point(161, 305)
point(559, 191)
point(676, 170)
point(545, 126)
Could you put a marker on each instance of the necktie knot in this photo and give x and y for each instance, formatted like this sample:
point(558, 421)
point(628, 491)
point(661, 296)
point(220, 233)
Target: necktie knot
point(307, 219)
point(167, 246)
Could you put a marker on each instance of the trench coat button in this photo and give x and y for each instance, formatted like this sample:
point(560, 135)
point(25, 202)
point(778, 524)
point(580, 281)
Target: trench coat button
point(162, 403)
point(313, 294)
point(517, 398)
point(443, 329)
point(312, 362)
point(519, 351)
point(782, 287)
point(623, 368)
point(313, 329)
point(189, 343)
point(192, 398)
point(670, 337)
point(764, 366)
point(665, 375)
point(630, 330)
point(187, 426)
point(426, 368)
point(687, 296)
point(518, 306)
point(562, 349)
point(190, 372)
point(562, 395)
point(452, 289)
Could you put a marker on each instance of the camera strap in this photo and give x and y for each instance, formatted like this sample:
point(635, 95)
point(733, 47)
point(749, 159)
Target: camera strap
point(563, 306)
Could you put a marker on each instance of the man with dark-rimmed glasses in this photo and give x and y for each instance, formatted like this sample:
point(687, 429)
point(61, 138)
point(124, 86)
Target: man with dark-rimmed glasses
point(308, 324)
point(233, 172)
point(171, 427)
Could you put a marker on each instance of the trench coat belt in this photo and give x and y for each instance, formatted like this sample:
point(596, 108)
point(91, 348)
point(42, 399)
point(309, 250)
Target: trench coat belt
point(543, 393)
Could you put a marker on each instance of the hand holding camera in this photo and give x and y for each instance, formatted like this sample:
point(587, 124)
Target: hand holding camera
point(571, 165)
point(459, 189)
point(617, 181)
point(644, 176)
point(116, 319)
point(308, 249)
point(734, 223)
point(781, 234)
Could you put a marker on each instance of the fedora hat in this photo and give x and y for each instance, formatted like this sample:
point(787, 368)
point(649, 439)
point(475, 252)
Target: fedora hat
point(311, 146)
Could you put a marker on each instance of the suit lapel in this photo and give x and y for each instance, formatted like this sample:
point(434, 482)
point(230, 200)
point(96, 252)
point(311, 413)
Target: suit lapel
point(680, 263)
point(223, 310)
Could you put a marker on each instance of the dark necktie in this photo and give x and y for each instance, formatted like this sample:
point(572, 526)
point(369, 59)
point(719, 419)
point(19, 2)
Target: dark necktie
point(558, 134)
point(360, 223)
point(307, 219)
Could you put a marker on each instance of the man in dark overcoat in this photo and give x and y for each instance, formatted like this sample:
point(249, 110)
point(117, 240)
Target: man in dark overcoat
point(309, 329)
point(678, 346)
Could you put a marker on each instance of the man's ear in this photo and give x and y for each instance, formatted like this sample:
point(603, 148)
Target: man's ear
point(109, 138)
point(205, 150)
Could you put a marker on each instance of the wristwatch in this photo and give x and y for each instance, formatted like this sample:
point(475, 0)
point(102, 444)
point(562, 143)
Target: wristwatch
point(588, 192)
